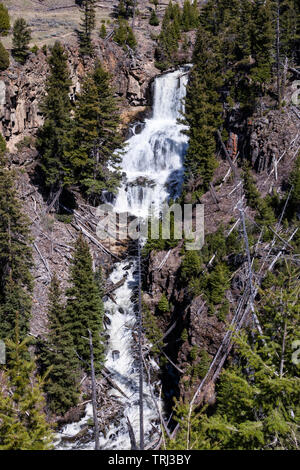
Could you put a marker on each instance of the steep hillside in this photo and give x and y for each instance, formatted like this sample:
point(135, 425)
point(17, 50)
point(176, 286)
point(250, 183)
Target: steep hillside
point(186, 101)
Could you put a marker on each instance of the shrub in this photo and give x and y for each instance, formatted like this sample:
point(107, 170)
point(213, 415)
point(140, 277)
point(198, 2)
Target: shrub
point(191, 265)
point(103, 31)
point(163, 304)
point(3, 147)
point(154, 21)
point(4, 21)
point(124, 35)
point(4, 58)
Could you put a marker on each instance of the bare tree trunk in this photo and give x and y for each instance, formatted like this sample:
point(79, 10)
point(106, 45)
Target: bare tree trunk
point(140, 326)
point(94, 394)
point(133, 14)
point(232, 166)
point(278, 52)
point(132, 436)
point(282, 350)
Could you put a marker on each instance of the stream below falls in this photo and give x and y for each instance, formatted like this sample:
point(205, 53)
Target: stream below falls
point(152, 165)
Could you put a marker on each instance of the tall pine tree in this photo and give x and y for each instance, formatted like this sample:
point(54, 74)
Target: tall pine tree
point(21, 39)
point(84, 306)
point(203, 112)
point(96, 137)
point(58, 354)
point(23, 424)
point(56, 108)
point(15, 258)
point(88, 9)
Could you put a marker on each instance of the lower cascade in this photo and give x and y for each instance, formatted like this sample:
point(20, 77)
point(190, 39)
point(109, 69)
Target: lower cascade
point(153, 171)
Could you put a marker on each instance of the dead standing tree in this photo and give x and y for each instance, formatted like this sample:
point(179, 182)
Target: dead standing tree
point(140, 347)
point(94, 393)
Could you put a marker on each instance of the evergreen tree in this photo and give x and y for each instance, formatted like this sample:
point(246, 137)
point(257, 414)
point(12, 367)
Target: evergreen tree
point(263, 41)
point(125, 8)
point(15, 258)
point(21, 39)
point(4, 58)
point(3, 149)
point(163, 304)
point(103, 31)
point(189, 19)
point(203, 113)
point(295, 182)
point(56, 108)
point(88, 8)
point(84, 306)
point(153, 21)
point(124, 35)
point(218, 283)
point(257, 404)
point(251, 192)
point(96, 136)
point(58, 353)
point(4, 20)
point(23, 424)
point(168, 40)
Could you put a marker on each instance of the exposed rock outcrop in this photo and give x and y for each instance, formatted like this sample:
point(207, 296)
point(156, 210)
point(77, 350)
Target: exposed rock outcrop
point(22, 87)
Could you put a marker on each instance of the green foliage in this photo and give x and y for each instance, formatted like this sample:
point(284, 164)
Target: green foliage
point(3, 149)
point(191, 429)
point(189, 18)
point(168, 40)
point(88, 9)
point(218, 283)
point(4, 58)
point(294, 204)
point(34, 49)
point(95, 137)
point(4, 20)
point(21, 40)
point(191, 265)
point(103, 31)
point(26, 143)
point(23, 424)
point(234, 64)
point(125, 8)
point(64, 218)
point(153, 332)
point(52, 136)
point(251, 192)
point(163, 305)
point(200, 364)
point(184, 335)
point(15, 258)
point(265, 213)
point(202, 114)
point(257, 405)
point(263, 32)
point(154, 21)
point(58, 352)
point(124, 34)
point(84, 310)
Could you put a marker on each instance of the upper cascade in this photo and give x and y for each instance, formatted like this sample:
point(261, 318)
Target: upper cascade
point(153, 161)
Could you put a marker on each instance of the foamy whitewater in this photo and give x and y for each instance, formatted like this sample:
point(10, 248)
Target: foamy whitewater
point(153, 168)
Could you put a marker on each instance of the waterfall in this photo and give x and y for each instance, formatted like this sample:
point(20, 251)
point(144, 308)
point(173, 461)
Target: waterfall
point(153, 171)
point(153, 159)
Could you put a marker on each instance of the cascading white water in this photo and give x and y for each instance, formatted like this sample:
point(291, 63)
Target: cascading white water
point(153, 167)
point(153, 159)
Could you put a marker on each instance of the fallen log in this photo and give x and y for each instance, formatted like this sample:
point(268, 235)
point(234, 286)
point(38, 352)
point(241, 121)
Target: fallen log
point(112, 383)
point(232, 166)
point(116, 286)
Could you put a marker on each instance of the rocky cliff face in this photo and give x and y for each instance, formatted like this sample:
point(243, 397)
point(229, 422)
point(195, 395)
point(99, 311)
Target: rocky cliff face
point(271, 142)
point(22, 87)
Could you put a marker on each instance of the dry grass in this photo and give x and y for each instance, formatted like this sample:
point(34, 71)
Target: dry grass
point(49, 22)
